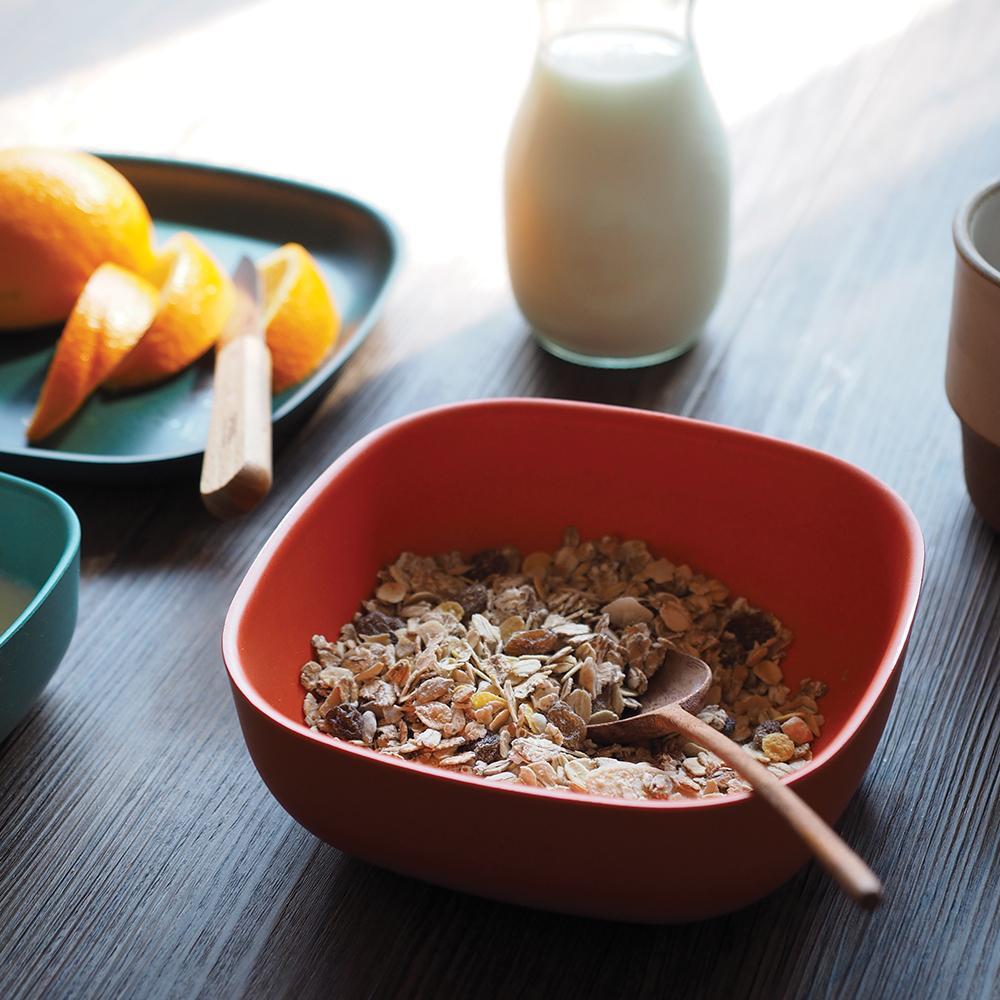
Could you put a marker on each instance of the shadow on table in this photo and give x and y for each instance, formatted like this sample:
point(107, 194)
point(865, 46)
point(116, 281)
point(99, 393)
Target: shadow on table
point(641, 387)
point(135, 526)
point(140, 525)
point(495, 357)
point(349, 929)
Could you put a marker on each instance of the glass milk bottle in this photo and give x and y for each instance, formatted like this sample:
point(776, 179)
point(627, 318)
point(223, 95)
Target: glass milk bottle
point(617, 185)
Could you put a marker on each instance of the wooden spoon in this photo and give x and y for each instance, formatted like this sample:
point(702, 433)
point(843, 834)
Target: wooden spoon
point(677, 690)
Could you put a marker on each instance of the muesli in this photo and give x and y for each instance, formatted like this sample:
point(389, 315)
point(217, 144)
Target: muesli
point(494, 665)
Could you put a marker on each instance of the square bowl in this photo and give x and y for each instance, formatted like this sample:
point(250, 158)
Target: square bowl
point(40, 548)
point(836, 555)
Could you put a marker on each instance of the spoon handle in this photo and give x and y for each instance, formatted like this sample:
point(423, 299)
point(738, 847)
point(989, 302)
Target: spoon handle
point(854, 876)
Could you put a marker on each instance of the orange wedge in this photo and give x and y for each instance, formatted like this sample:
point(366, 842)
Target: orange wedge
point(300, 316)
point(112, 313)
point(196, 297)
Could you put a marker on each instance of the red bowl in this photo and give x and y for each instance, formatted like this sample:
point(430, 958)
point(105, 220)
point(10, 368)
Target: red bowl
point(830, 550)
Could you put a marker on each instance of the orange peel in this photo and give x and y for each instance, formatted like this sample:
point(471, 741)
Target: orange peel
point(110, 316)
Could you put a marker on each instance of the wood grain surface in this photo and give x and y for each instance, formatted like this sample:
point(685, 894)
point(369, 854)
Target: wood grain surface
point(140, 854)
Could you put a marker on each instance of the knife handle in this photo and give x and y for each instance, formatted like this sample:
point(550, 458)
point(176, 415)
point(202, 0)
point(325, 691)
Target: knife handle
point(236, 470)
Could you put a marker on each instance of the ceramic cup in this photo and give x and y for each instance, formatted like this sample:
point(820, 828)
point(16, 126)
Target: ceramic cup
point(972, 379)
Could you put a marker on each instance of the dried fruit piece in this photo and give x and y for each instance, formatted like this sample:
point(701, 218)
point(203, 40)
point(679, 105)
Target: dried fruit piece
point(481, 698)
point(487, 563)
point(487, 749)
point(750, 629)
point(573, 728)
point(778, 747)
point(474, 600)
point(731, 651)
point(718, 718)
point(797, 730)
point(345, 722)
point(376, 623)
point(766, 728)
point(533, 642)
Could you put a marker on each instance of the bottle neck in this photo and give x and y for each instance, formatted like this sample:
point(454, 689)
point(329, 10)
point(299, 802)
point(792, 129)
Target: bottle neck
point(560, 17)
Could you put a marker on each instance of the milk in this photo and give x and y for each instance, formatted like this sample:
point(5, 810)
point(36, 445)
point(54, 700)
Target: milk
point(14, 598)
point(617, 197)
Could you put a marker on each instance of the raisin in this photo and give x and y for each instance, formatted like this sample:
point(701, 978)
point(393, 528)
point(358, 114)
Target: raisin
point(376, 623)
point(731, 652)
point(573, 728)
point(487, 563)
point(533, 642)
point(750, 629)
point(474, 600)
point(345, 722)
point(487, 749)
point(729, 726)
point(764, 729)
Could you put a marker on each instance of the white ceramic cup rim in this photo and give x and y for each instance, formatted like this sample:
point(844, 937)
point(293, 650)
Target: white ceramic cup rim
point(962, 232)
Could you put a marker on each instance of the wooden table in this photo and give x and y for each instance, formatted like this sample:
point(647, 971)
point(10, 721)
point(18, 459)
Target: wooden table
point(141, 856)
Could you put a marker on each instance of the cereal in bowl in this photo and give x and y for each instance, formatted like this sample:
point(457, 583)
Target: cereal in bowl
point(494, 666)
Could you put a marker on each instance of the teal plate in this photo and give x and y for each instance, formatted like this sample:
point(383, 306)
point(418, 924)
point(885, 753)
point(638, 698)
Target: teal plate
point(160, 432)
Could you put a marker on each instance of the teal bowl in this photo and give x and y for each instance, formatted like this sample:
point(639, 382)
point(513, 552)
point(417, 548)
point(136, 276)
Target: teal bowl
point(40, 548)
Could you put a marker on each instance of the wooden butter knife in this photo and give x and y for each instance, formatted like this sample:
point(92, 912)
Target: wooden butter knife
point(236, 469)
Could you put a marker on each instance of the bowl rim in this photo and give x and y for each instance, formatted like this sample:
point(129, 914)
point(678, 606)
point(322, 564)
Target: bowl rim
point(961, 232)
point(71, 546)
point(881, 676)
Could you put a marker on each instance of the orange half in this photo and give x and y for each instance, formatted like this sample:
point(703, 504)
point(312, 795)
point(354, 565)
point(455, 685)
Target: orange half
point(300, 316)
point(196, 297)
point(62, 214)
point(112, 313)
